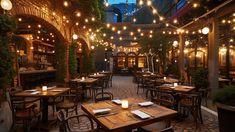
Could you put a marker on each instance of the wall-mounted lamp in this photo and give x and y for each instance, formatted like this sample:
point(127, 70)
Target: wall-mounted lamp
point(6, 4)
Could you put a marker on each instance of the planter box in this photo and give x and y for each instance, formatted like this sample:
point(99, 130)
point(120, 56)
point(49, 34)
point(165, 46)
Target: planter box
point(226, 116)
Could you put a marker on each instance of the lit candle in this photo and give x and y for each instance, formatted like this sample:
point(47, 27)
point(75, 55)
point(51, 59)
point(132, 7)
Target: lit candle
point(44, 88)
point(83, 78)
point(124, 104)
point(175, 84)
point(94, 73)
point(103, 71)
point(164, 78)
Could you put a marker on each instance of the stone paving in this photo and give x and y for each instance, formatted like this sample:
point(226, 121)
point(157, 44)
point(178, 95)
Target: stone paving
point(124, 87)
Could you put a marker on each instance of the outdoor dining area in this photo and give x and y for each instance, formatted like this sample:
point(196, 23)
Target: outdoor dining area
point(117, 65)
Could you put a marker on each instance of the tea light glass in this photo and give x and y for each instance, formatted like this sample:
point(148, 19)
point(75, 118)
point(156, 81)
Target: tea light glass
point(44, 88)
point(124, 104)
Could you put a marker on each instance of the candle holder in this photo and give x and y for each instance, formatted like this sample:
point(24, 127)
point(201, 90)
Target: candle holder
point(175, 84)
point(83, 78)
point(125, 104)
point(44, 88)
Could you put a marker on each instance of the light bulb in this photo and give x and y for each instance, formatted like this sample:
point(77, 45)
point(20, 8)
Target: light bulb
point(205, 30)
point(75, 36)
point(6, 4)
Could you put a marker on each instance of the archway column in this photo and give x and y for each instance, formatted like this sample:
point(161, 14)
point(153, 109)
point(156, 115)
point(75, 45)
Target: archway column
point(213, 57)
point(181, 56)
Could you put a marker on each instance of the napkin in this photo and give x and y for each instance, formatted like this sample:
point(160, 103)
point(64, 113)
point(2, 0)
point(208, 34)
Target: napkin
point(36, 92)
point(51, 87)
point(140, 114)
point(31, 90)
point(101, 111)
point(117, 101)
point(56, 90)
point(148, 103)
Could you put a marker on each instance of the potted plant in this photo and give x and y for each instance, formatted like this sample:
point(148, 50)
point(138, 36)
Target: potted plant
point(225, 102)
point(200, 78)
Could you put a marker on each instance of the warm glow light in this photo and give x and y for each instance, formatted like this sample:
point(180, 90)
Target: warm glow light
point(77, 24)
point(113, 28)
point(93, 19)
point(131, 33)
point(154, 11)
point(167, 24)
point(134, 20)
point(139, 30)
point(175, 21)
point(124, 104)
point(154, 21)
point(44, 88)
point(111, 37)
point(141, 2)
point(66, 3)
point(142, 34)
point(92, 47)
point(39, 26)
point(161, 18)
point(205, 30)
point(29, 26)
point(149, 2)
point(86, 20)
point(75, 36)
point(104, 34)
point(19, 19)
point(119, 32)
point(151, 31)
point(106, 4)
point(78, 14)
point(195, 5)
point(107, 25)
point(6, 4)
point(53, 13)
point(124, 27)
point(186, 42)
point(223, 21)
point(120, 38)
point(175, 43)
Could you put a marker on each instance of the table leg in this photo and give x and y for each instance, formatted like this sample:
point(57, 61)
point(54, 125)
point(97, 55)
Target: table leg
point(45, 109)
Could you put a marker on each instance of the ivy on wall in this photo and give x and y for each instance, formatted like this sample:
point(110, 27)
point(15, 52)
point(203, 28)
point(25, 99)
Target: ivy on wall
point(7, 72)
point(72, 60)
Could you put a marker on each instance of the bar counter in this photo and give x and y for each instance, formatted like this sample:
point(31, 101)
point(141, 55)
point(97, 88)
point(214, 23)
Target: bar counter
point(30, 79)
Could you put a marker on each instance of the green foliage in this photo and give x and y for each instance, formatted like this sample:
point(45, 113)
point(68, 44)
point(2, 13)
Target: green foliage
point(172, 69)
point(200, 78)
point(88, 61)
point(225, 95)
point(7, 72)
point(60, 54)
point(159, 44)
point(7, 24)
point(72, 60)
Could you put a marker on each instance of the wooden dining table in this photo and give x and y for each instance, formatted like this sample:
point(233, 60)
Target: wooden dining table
point(98, 75)
point(44, 96)
point(120, 120)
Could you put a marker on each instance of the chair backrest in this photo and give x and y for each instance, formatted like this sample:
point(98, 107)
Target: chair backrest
point(64, 125)
point(103, 96)
point(165, 97)
point(195, 98)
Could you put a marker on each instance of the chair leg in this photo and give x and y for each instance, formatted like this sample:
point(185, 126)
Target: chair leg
point(200, 115)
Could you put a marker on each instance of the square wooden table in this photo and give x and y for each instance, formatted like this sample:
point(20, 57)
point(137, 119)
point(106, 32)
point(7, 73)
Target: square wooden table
point(44, 96)
point(119, 119)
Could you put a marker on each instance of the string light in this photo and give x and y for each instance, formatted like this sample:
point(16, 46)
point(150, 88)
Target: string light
point(124, 27)
point(66, 3)
point(161, 18)
point(134, 19)
point(139, 30)
point(149, 3)
point(154, 21)
point(141, 2)
point(78, 14)
point(175, 21)
point(108, 25)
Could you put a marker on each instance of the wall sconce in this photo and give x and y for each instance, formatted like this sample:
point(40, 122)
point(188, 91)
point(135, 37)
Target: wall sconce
point(6, 4)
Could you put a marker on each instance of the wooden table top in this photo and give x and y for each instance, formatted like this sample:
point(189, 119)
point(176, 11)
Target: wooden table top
point(180, 88)
point(122, 119)
point(169, 80)
point(86, 80)
point(39, 93)
point(97, 75)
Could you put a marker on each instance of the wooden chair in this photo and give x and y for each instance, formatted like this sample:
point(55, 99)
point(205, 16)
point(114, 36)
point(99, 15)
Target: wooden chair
point(71, 100)
point(163, 98)
point(102, 96)
point(192, 103)
point(64, 125)
point(23, 112)
point(98, 86)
